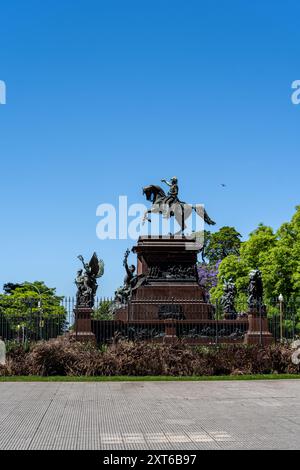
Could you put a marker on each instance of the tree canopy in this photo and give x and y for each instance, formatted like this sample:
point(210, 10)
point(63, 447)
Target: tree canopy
point(216, 247)
point(276, 254)
point(220, 244)
point(32, 307)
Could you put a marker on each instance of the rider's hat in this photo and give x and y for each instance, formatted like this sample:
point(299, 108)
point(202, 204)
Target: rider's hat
point(174, 179)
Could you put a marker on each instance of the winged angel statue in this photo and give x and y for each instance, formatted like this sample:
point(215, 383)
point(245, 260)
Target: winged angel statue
point(86, 281)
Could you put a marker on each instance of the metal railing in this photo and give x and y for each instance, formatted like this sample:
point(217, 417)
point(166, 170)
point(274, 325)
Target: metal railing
point(146, 319)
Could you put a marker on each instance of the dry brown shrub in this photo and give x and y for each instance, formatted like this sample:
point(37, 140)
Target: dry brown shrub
point(65, 356)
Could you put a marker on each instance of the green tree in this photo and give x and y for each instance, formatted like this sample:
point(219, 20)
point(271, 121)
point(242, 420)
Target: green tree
point(280, 264)
point(259, 243)
point(32, 308)
point(236, 268)
point(277, 255)
point(220, 244)
point(103, 311)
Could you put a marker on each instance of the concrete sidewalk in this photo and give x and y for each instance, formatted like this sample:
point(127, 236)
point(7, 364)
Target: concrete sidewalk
point(150, 415)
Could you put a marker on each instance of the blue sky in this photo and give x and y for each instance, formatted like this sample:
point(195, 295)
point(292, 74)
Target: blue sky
point(104, 97)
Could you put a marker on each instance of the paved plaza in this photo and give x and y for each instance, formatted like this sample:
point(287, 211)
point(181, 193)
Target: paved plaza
point(150, 415)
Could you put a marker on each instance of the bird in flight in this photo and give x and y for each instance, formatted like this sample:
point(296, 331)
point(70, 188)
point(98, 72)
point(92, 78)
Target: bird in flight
point(223, 185)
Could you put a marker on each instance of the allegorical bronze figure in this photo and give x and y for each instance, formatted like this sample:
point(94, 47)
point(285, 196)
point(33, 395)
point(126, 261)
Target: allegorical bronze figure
point(255, 292)
point(228, 299)
point(86, 281)
point(131, 282)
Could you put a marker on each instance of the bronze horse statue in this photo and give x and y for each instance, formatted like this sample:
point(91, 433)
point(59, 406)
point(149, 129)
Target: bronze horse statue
point(180, 210)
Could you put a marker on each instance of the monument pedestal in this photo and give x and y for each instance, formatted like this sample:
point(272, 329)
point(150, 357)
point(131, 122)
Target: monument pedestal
point(258, 331)
point(83, 324)
point(168, 281)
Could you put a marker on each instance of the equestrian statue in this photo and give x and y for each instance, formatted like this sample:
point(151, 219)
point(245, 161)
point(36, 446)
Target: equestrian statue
point(169, 205)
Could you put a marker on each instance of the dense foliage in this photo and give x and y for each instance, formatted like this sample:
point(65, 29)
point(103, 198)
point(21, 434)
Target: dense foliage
point(218, 245)
point(103, 311)
point(275, 253)
point(208, 276)
point(64, 357)
point(30, 308)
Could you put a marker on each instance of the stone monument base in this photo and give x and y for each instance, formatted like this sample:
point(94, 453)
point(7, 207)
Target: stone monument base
point(168, 288)
point(258, 331)
point(83, 325)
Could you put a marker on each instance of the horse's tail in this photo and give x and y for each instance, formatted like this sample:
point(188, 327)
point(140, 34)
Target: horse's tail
point(202, 213)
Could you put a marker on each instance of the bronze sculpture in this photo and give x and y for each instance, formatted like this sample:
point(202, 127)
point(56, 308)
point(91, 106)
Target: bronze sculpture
point(86, 281)
point(172, 197)
point(228, 299)
point(131, 282)
point(169, 205)
point(255, 292)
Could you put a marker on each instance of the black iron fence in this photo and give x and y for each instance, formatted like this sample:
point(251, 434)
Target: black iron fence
point(284, 321)
point(31, 327)
point(202, 331)
point(26, 320)
point(155, 319)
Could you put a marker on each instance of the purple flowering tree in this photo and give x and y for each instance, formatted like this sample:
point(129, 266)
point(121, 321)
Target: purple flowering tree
point(208, 276)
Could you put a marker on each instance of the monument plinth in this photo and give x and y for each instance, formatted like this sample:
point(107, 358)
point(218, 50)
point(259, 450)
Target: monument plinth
point(167, 281)
point(83, 324)
point(258, 330)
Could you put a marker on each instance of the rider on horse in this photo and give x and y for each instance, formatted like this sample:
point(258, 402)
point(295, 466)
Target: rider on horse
point(169, 205)
point(172, 197)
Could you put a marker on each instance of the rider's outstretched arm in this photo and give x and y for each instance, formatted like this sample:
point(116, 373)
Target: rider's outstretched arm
point(167, 182)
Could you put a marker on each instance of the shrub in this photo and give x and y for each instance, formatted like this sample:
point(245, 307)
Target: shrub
point(67, 357)
point(59, 357)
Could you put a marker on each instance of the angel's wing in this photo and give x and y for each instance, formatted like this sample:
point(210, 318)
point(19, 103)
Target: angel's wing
point(101, 268)
point(96, 266)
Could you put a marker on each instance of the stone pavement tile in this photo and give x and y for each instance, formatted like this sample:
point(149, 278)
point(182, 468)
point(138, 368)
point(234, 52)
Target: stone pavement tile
point(156, 438)
point(113, 447)
point(178, 438)
point(88, 445)
point(238, 445)
point(213, 445)
point(136, 446)
point(67, 445)
point(133, 438)
point(182, 446)
point(200, 437)
point(221, 436)
point(158, 446)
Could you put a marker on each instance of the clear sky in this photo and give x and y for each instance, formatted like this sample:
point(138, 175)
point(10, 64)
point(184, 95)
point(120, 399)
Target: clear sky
point(104, 97)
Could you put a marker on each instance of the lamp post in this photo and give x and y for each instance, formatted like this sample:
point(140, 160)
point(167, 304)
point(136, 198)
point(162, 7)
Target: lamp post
point(281, 300)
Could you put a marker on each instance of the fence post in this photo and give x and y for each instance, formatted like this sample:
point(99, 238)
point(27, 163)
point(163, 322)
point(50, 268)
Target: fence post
point(260, 324)
point(293, 310)
point(275, 327)
point(217, 326)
